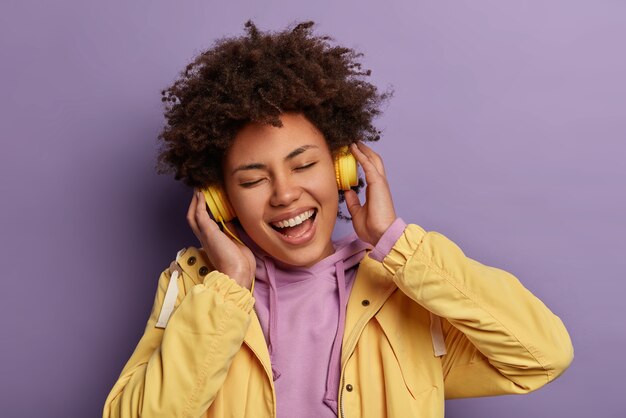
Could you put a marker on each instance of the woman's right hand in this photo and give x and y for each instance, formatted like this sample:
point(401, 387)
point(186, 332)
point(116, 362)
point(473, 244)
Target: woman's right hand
point(225, 254)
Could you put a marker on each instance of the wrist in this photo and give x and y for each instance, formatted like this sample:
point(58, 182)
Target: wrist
point(380, 231)
point(243, 281)
point(388, 239)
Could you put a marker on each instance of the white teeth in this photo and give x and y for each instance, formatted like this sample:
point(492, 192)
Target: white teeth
point(297, 220)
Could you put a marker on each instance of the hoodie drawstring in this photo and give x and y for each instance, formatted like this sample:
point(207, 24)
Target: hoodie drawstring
point(332, 380)
point(332, 377)
point(273, 314)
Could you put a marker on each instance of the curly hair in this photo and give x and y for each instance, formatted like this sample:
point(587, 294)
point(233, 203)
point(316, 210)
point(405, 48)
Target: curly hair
point(255, 78)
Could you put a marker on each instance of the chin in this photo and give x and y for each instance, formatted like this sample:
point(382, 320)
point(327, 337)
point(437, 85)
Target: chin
point(301, 258)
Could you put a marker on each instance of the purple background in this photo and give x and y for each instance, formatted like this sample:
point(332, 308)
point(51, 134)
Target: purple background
point(506, 133)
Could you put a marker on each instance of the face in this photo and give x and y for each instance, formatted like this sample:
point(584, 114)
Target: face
point(281, 184)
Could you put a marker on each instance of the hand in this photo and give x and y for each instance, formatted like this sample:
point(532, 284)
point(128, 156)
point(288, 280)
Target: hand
point(371, 220)
point(225, 254)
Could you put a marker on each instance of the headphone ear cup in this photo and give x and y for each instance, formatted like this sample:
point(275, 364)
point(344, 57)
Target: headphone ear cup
point(218, 204)
point(345, 169)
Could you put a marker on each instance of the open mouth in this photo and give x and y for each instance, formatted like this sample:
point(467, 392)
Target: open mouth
point(296, 227)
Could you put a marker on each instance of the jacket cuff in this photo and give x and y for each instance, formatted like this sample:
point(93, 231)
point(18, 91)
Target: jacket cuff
point(388, 239)
point(229, 289)
point(404, 248)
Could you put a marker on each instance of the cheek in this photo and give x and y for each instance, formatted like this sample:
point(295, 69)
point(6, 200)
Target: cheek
point(330, 188)
point(248, 207)
point(332, 197)
point(250, 216)
point(323, 189)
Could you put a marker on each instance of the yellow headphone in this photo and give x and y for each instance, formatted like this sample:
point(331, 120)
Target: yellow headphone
point(222, 211)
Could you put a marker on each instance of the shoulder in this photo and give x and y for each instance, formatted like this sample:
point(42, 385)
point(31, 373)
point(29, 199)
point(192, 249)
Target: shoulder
point(186, 271)
point(192, 263)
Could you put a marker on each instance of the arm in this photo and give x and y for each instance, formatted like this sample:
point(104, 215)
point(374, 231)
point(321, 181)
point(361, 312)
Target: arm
point(499, 337)
point(177, 371)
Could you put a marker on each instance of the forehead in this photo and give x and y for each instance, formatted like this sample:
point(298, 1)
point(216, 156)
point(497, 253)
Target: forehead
point(257, 141)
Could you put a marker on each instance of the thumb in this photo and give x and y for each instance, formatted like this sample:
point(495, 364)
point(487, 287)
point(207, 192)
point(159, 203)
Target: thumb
point(231, 231)
point(352, 202)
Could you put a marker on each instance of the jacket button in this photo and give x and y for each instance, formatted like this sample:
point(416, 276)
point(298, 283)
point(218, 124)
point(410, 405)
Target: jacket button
point(349, 387)
point(203, 271)
point(365, 302)
point(191, 260)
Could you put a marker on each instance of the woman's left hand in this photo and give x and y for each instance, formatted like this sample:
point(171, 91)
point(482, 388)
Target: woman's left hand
point(371, 220)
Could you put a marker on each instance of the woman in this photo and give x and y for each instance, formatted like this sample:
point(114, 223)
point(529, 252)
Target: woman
point(281, 321)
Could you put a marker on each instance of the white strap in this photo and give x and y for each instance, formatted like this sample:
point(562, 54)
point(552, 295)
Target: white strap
point(169, 301)
point(171, 294)
point(436, 333)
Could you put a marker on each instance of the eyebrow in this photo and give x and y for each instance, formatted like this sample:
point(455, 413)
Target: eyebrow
point(259, 166)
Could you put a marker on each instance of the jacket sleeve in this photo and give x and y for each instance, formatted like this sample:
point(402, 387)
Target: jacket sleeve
point(499, 337)
point(177, 371)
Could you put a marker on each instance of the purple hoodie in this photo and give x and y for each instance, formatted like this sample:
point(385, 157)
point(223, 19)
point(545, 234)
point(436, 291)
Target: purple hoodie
point(302, 314)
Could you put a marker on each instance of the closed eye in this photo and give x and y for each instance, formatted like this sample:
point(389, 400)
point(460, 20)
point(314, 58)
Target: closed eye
point(250, 183)
point(304, 167)
point(300, 168)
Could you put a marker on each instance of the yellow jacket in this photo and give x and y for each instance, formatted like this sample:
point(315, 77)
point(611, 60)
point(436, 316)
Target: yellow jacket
point(427, 323)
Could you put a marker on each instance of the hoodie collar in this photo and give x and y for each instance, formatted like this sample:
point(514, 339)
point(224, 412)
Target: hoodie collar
point(349, 251)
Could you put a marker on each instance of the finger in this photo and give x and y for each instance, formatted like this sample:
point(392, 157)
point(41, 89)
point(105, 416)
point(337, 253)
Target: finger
point(230, 226)
point(352, 202)
point(375, 158)
point(370, 170)
point(204, 221)
point(211, 238)
point(191, 218)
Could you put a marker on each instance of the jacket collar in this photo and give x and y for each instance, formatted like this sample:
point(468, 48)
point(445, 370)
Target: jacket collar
point(373, 285)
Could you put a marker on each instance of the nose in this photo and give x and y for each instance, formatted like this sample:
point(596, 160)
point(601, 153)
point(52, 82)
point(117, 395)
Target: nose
point(285, 191)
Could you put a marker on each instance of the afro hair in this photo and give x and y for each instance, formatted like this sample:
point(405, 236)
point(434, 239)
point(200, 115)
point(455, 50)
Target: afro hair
point(255, 78)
